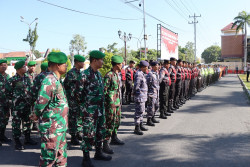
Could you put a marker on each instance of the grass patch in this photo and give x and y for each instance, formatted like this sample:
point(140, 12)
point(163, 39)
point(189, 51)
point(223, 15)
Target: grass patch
point(243, 77)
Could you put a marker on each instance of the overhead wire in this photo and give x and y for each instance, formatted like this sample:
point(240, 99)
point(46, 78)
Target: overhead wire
point(90, 14)
point(173, 7)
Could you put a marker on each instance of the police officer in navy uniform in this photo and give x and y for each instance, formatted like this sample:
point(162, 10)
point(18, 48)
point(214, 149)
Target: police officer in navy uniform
point(172, 72)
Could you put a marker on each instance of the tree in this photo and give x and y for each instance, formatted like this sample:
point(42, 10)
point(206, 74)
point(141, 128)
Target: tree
point(241, 21)
point(190, 51)
point(32, 38)
point(77, 44)
point(37, 54)
point(106, 63)
point(211, 54)
point(182, 53)
point(111, 48)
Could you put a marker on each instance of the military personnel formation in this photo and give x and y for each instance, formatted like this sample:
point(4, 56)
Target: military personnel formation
point(88, 105)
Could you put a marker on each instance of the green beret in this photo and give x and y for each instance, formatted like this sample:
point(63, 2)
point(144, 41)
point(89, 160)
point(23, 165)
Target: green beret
point(19, 64)
point(96, 54)
point(57, 57)
point(3, 61)
point(79, 58)
point(117, 59)
point(31, 63)
point(44, 66)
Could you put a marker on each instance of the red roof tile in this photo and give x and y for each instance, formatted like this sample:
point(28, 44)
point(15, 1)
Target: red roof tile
point(228, 27)
point(14, 54)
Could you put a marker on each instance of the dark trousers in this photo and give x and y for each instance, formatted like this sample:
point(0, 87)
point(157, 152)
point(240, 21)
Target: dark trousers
point(164, 96)
point(129, 88)
point(172, 91)
point(177, 91)
point(248, 75)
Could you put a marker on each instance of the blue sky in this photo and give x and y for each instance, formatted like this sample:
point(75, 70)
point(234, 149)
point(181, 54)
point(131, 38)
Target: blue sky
point(56, 26)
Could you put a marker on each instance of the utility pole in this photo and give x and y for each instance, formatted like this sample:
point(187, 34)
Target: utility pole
point(194, 22)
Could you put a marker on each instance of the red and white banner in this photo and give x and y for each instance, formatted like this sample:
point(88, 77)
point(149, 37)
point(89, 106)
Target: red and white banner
point(169, 44)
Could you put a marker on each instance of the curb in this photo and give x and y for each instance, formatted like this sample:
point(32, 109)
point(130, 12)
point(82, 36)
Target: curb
point(244, 87)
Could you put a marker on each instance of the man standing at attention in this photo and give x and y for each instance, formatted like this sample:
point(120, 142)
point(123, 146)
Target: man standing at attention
point(74, 111)
point(51, 108)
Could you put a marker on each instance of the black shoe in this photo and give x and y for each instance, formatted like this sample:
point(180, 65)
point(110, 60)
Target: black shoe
point(3, 138)
point(79, 136)
point(154, 120)
point(150, 122)
point(123, 117)
point(35, 126)
point(163, 116)
point(18, 145)
point(143, 128)
point(170, 111)
point(86, 162)
point(167, 114)
point(138, 130)
point(29, 141)
point(99, 155)
point(0, 143)
point(115, 140)
point(74, 140)
point(106, 147)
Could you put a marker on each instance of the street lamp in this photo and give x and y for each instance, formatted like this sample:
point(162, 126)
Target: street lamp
point(138, 40)
point(29, 24)
point(125, 38)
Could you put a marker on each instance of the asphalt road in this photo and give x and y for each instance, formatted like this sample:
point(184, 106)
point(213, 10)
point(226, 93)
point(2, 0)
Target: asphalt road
point(210, 130)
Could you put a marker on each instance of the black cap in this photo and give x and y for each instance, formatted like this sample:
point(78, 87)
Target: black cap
point(173, 59)
point(131, 62)
point(154, 63)
point(179, 61)
point(144, 63)
point(166, 62)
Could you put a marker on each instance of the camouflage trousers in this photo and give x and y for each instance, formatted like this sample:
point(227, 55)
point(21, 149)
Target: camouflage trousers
point(152, 106)
point(75, 121)
point(93, 131)
point(4, 117)
point(21, 116)
point(113, 120)
point(53, 150)
point(139, 112)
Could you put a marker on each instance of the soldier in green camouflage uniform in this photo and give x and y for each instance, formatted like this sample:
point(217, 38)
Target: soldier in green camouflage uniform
point(90, 94)
point(18, 94)
point(51, 108)
point(74, 111)
point(31, 71)
point(4, 108)
point(39, 79)
point(112, 104)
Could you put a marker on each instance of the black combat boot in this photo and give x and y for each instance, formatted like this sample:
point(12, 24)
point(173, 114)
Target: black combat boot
point(154, 120)
point(162, 115)
point(35, 126)
point(138, 130)
point(86, 162)
point(3, 138)
point(0, 143)
point(115, 140)
point(123, 117)
point(106, 147)
point(74, 140)
point(28, 140)
point(18, 144)
point(167, 114)
point(169, 109)
point(79, 136)
point(99, 155)
point(143, 128)
point(150, 122)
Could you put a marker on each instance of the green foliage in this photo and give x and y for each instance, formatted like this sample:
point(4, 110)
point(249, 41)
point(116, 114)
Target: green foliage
point(189, 52)
point(211, 54)
point(241, 21)
point(182, 53)
point(111, 48)
point(32, 38)
point(55, 50)
point(106, 63)
point(77, 44)
point(37, 54)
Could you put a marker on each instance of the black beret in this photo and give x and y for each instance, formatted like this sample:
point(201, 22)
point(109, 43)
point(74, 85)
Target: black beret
point(180, 60)
point(144, 63)
point(154, 63)
point(166, 62)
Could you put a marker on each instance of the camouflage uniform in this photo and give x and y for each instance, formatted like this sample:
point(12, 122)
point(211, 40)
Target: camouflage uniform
point(31, 76)
point(37, 83)
point(141, 91)
point(52, 110)
point(4, 108)
point(18, 93)
point(90, 93)
point(112, 103)
point(74, 111)
point(153, 93)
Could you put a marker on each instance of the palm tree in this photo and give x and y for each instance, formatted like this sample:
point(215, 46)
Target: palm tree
point(241, 21)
